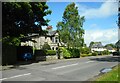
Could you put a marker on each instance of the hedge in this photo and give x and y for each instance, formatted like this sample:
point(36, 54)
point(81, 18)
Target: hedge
point(94, 54)
point(51, 52)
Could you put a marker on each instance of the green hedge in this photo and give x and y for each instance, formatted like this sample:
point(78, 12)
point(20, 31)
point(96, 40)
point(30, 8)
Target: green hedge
point(70, 53)
point(94, 54)
point(85, 50)
point(85, 55)
point(50, 52)
point(65, 52)
point(75, 53)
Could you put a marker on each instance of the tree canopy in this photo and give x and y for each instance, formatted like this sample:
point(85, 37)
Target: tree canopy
point(21, 18)
point(71, 27)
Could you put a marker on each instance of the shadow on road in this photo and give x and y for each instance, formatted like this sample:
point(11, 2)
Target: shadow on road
point(108, 59)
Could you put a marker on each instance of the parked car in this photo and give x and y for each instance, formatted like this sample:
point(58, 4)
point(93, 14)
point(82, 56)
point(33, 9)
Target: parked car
point(27, 56)
point(117, 53)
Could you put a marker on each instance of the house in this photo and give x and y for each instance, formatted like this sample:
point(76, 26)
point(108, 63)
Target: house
point(51, 38)
point(110, 49)
point(97, 46)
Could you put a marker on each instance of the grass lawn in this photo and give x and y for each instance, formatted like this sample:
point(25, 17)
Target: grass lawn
point(110, 76)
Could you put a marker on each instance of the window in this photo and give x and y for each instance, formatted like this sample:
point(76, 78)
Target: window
point(52, 48)
point(56, 39)
point(56, 48)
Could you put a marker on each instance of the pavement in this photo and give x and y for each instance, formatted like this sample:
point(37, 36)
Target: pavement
point(78, 69)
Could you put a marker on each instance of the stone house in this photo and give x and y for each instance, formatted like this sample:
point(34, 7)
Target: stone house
point(51, 38)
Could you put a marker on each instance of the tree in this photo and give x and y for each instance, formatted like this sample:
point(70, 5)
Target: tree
point(70, 28)
point(91, 44)
point(22, 18)
point(111, 45)
point(46, 46)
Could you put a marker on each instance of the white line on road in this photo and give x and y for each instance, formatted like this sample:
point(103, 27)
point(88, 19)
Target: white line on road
point(65, 66)
point(15, 76)
point(89, 61)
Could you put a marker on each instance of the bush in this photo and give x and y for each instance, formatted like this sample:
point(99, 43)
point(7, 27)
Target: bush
point(94, 54)
point(84, 55)
point(85, 50)
point(46, 46)
point(75, 53)
point(51, 52)
point(105, 52)
point(65, 52)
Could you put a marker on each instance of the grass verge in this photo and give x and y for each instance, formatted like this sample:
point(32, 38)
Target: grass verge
point(111, 76)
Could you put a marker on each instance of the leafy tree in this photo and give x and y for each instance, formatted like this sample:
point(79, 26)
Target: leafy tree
point(46, 46)
point(23, 18)
point(111, 45)
point(70, 28)
point(91, 43)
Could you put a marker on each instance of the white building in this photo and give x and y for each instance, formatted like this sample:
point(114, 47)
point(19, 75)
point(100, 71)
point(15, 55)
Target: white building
point(97, 47)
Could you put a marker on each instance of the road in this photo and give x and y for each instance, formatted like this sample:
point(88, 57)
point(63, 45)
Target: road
point(80, 69)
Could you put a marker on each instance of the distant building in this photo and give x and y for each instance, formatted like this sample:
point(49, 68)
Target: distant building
point(110, 49)
point(51, 38)
point(97, 46)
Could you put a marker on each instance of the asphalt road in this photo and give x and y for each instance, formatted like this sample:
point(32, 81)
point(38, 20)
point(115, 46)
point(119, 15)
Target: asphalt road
point(80, 69)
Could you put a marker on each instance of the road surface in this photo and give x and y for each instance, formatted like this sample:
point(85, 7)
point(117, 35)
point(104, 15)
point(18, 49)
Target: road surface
point(79, 69)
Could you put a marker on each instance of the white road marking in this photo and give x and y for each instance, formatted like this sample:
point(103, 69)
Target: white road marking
point(89, 61)
point(15, 76)
point(65, 66)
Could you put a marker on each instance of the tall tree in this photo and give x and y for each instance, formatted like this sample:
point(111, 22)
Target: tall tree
point(22, 18)
point(70, 29)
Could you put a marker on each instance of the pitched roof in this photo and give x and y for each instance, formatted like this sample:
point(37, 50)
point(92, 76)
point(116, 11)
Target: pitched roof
point(109, 48)
point(97, 45)
point(51, 33)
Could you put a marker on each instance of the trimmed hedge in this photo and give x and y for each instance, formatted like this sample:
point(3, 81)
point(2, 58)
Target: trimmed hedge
point(94, 54)
point(65, 52)
point(51, 52)
point(85, 55)
point(85, 50)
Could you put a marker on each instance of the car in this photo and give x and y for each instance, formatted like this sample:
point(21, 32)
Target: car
point(117, 53)
point(27, 56)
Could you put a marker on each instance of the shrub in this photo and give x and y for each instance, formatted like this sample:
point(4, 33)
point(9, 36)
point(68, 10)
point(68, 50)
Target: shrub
point(75, 53)
point(46, 46)
point(105, 52)
point(51, 52)
point(84, 55)
point(85, 50)
point(90, 54)
point(94, 54)
point(66, 53)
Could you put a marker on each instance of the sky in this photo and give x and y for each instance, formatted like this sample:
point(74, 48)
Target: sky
point(100, 19)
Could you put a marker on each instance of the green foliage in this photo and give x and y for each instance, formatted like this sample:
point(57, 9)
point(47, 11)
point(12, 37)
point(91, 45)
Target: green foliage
point(111, 45)
point(94, 54)
point(86, 55)
point(91, 43)
point(105, 52)
point(75, 53)
point(65, 52)
point(20, 18)
point(46, 46)
point(110, 76)
point(85, 50)
point(71, 27)
point(51, 52)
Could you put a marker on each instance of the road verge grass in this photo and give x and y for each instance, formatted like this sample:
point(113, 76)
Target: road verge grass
point(110, 76)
